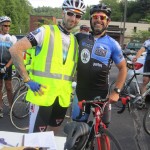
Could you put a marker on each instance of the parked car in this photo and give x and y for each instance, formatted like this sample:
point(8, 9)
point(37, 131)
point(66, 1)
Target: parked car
point(138, 65)
point(19, 37)
point(134, 45)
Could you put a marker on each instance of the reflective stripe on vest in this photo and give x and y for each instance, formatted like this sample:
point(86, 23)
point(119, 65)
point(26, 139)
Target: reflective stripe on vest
point(49, 56)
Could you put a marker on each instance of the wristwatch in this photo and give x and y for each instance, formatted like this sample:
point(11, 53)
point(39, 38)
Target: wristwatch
point(117, 90)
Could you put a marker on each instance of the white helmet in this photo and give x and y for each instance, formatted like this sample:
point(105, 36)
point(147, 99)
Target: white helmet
point(74, 4)
point(4, 19)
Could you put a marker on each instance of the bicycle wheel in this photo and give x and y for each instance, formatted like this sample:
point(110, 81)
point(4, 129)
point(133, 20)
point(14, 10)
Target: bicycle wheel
point(15, 84)
point(19, 113)
point(146, 121)
point(19, 90)
point(111, 144)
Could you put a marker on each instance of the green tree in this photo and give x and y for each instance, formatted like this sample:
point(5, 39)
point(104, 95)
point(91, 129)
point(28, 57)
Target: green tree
point(141, 35)
point(115, 8)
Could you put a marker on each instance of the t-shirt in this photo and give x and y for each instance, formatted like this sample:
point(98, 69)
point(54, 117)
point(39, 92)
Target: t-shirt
point(146, 45)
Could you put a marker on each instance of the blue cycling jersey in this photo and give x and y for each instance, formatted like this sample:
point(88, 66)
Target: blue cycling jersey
point(94, 63)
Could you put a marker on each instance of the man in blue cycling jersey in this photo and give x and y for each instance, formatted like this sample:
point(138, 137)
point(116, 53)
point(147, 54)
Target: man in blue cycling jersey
point(96, 51)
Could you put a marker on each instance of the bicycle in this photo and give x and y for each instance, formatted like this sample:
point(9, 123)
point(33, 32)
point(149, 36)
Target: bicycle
point(15, 84)
point(132, 88)
point(91, 135)
point(133, 102)
point(19, 113)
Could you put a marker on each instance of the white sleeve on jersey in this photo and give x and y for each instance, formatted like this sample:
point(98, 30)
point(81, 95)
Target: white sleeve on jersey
point(14, 39)
point(39, 35)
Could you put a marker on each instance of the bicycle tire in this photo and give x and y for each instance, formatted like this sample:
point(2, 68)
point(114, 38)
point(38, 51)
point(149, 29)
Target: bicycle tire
point(113, 145)
point(19, 90)
point(19, 113)
point(146, 121)
point(15, 85)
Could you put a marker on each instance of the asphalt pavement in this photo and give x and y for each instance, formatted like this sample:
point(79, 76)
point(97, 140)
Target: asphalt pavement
point(122, 125)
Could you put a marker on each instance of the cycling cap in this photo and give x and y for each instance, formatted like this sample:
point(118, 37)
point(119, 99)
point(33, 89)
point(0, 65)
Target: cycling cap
point(4, 19)
point(101, 8)
point(74, 5)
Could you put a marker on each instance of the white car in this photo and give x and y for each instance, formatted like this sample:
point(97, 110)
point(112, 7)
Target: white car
point(138, 65)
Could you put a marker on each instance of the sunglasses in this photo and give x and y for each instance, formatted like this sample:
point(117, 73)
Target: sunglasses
point(6, 25)
point(70, 14)
point(97, 16)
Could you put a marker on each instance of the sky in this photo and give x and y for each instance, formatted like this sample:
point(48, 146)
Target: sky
point(57, 3)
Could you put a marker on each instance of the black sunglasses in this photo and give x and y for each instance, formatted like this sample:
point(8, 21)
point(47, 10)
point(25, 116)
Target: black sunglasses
point(73, 14)
point(6, 25)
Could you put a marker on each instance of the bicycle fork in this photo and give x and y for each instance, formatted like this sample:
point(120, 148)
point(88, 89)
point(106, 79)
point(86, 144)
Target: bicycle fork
point(101, 139)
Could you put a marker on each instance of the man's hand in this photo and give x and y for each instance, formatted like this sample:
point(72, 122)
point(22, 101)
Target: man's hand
point(35, 87)
point(113, 97)
point(134, 59)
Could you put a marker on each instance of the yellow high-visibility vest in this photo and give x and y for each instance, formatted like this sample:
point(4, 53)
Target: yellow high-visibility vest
point(49, 70)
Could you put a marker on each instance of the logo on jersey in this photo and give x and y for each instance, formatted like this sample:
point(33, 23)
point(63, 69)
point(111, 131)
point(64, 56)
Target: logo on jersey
point(30, 37)
point(100, 51)
point(85, 56)
point(120, 56)
point(87, 44)
point(36, 31)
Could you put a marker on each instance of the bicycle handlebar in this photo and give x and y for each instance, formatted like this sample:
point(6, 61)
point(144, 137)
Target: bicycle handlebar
point(95, 102)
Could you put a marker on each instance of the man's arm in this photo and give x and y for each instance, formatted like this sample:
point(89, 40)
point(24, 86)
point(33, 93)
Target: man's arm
point(16, 52)
point(120, 80)
point(139, 53)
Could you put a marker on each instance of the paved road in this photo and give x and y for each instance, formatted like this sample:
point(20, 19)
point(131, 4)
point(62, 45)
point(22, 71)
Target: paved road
point(121, 125)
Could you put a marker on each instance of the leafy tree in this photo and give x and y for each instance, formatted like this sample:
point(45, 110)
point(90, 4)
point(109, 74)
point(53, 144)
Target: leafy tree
point(115, 7)
point(141, 35)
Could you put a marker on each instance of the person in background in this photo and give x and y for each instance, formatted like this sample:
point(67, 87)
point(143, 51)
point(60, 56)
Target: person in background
point(84, 30)
point(6, 41)
point(146, 78)
point(53, 68)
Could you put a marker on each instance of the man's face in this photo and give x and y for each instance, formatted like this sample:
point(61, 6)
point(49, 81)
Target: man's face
point(5, 27)
point(71, 19)
point(99, 21)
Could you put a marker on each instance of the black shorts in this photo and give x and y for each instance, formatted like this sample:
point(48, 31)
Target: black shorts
point(7, 75)
point(84, 94)
point(147, 66)
point(51, 115)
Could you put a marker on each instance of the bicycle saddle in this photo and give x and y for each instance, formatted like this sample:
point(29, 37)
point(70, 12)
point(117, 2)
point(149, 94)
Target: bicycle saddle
point(74, 131)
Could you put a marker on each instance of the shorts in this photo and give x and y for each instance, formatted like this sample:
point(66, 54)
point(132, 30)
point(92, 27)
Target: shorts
point(42, 116)
point(76, 110)
point(7, 75)
point(147, 66)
